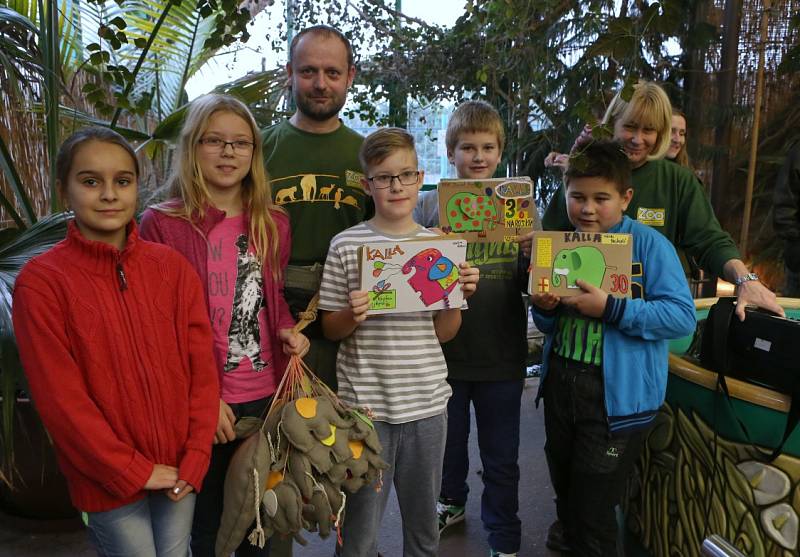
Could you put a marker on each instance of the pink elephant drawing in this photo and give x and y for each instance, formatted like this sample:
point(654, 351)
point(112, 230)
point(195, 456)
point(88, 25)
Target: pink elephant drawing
point(435, 276)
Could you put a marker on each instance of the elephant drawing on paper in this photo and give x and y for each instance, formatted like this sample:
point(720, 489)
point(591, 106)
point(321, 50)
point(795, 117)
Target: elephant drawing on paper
point(434, 277)
point(470, 212)
point(585, 263)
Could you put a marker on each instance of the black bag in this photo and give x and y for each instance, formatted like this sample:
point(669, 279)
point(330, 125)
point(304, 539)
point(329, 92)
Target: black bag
point(763, 349)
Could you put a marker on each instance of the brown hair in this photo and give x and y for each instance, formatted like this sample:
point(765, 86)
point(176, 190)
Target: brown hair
point(187, 183)
point(649, 105)
point(326, 31)
point(66, 153)
point(601, 159)
point(383, 143)
point(472, 117)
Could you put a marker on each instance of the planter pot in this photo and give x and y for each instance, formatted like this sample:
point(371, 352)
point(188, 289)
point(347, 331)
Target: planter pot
point(40, 490)
point(700, 475)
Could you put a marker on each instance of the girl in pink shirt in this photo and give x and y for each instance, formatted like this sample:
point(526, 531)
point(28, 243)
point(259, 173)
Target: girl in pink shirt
point(223, 220)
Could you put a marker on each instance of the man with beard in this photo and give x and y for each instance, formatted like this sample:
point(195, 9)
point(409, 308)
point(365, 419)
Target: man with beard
point(312, 160)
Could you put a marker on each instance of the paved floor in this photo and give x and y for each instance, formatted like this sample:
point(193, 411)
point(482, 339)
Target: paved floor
point(61, 539)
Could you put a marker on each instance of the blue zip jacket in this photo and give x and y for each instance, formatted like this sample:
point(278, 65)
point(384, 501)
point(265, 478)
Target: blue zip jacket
point(636, 331)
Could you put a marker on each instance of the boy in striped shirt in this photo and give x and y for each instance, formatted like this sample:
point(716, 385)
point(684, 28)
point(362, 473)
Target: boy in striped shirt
point(392, 363)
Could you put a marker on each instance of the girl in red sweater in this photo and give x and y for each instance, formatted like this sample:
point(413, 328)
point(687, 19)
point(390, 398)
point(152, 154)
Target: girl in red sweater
point(223, 220)
point(117, 351)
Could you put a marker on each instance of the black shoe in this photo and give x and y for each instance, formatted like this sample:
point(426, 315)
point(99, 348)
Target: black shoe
point(557, 538)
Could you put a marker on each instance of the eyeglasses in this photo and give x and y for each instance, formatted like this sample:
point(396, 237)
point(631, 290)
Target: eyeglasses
point(383, 181)
point(214, 144)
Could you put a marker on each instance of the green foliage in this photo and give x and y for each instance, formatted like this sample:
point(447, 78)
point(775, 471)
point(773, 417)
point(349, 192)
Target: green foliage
point(138, 56)
point(17, 248)
point(550, 66)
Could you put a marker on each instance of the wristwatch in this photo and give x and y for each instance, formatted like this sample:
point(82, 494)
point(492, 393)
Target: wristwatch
point(745, 278)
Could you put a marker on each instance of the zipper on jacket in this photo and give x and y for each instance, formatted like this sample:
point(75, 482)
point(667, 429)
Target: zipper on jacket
point(123, 281)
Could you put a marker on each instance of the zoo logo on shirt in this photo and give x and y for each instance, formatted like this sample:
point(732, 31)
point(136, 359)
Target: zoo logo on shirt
point(651, 217)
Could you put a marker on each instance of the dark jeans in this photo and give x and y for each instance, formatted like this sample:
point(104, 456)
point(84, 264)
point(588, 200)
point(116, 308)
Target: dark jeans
point(208, 510)
point(497, 411)
point(589, 466)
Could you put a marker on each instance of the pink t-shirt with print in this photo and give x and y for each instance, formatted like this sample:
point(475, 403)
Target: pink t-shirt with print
point(235, 295)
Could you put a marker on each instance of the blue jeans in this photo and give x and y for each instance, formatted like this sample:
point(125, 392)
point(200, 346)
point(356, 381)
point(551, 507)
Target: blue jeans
point(497, 412)
point(152, 526)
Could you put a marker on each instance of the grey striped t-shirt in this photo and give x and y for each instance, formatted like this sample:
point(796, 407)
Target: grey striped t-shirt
point(392, 363)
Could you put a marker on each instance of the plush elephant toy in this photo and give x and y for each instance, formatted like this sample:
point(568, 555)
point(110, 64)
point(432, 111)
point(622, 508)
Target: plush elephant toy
point(315, 428)
point(470, 212)
point(327, 506)
point(249, 464)
point(361, 469)
point(363, 430)
point(586, 263)
point(298, 467)
point(284, 507)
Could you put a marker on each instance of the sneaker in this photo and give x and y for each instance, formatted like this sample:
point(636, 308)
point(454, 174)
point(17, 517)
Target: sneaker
point(448, 514)
point(557, 538)
point(493, 553)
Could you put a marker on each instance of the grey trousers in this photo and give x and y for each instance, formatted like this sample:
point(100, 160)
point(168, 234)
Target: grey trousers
point(414, 451)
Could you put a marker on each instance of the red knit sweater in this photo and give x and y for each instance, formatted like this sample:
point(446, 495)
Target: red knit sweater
point(117, 349)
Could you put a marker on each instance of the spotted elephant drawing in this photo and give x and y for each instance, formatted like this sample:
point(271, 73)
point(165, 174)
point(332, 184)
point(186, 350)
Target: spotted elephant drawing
point(470, 212)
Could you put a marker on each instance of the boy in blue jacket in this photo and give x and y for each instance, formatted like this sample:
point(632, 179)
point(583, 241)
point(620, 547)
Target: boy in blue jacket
point(605, 359)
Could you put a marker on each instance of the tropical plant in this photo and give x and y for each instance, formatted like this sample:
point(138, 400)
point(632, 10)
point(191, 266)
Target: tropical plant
point(64, 64)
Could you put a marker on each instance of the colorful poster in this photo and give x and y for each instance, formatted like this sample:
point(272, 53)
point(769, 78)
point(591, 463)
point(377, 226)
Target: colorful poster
point(558, 259)
point(415, 275)
point(493, 210)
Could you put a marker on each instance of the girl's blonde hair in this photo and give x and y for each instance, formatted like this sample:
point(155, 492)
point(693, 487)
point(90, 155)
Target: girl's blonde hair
point(649, 106)
point(186, 180)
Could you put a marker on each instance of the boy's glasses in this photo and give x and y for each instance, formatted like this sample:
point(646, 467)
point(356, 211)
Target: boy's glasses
point(214, 144)
point(383, 181)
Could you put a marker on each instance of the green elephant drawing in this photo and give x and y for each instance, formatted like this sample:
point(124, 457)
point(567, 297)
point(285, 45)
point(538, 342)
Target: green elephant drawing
point(586, 263)
point(469, 212)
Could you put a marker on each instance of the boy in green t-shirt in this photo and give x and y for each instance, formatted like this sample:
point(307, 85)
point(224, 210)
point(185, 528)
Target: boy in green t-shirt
point(485, 364)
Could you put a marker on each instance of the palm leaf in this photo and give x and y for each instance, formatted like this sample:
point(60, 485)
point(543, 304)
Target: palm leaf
point(14, 254)
point(20, 57)
point(176, 50)
point(261, 91)
point(14, 181)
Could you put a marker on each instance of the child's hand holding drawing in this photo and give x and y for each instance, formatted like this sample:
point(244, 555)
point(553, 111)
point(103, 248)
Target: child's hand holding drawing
point(546, 302)
point(525, 242)
point(468, 276)
point(359, 304)
point(591, 303)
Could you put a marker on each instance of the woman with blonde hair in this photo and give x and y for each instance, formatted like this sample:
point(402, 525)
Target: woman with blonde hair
point(677, 151)
point(669, 198)
point(222, 219)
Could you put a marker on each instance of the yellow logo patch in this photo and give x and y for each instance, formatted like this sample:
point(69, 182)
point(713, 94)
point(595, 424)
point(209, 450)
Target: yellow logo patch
point(651, 217)
point(353, 179)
